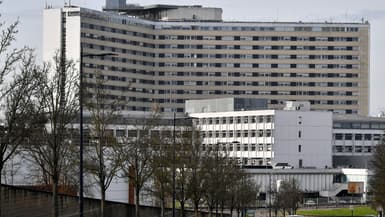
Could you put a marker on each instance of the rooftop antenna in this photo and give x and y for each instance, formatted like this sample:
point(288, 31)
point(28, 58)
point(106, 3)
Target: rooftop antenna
point(277, 18)
point(346, 15)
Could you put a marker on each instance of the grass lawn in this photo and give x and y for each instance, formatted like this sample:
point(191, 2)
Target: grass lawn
point(358, 211)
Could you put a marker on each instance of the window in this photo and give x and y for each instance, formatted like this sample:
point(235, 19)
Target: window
point(367, 136)
point(300, 163)
point(348, 136)
point(299, 148)
point(299, 134)
point(120, 133)
point(358, 137)
point(252, 147)
point(338, 136)
point(376, 137)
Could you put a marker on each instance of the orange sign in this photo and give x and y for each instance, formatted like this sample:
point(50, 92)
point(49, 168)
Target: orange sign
point(355, 187)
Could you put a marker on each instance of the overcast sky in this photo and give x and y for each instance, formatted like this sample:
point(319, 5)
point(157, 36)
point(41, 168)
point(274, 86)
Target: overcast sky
point(30, 14)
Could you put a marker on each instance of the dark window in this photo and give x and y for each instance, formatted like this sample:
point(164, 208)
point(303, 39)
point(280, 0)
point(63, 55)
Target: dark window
point(348, 136)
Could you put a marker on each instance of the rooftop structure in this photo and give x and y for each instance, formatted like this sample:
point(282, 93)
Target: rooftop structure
point(163, 12)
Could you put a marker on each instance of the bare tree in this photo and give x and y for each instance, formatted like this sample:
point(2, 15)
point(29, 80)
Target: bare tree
point(213, 165)
point(102, 147)
point(184, 149)
point(10, 58)
point(51, 146)
point(288, 197)
point(377, 181)
point(19, 107)
point(195, 185)
point(137, 154)
point(162, 171)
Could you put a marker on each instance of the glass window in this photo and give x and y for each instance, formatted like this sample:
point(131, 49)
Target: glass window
point(338, 136)
point(348, 136)
point(376, 137)
point(367, 136)
point(357, 136)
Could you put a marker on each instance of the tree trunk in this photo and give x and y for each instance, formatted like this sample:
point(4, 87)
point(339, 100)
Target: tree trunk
point(210, 211)
point(222, 207)
point(196, 209)
point(137, 191)
point(216, 209)
point(181, 208)
point(1, 188)
point(55, 201)
point(102, 201)
point(162, 207)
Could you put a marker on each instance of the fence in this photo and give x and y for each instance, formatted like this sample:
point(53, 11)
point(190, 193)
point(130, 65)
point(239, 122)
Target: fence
point(20, 202)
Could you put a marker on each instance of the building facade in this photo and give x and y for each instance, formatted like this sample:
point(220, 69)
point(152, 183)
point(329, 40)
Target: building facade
point(190, 53)
point(266, 137)
point(355, 139)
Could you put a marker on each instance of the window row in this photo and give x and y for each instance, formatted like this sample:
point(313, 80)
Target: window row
point(357, 137)
point(257, 56)
point(349, 149)
point(237, 133)
point(237, 147)
point(237, 120)
point(123, 41)
point(256, 65)
point(359, 125)
point(260, 74)
point(238, 47)
point(257, 38)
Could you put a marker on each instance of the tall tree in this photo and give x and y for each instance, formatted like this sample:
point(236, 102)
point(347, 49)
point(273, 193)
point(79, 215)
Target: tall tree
point(10, 57)
point(137, 154)
point(19, 109)
point(162, 171)
point(102, 147)
point(377, 181)
point(51, 147)
point(288, 197)
point(184, 150)
point(195, 185)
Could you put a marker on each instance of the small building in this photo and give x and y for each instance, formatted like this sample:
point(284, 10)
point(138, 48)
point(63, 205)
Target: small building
point(299, 136)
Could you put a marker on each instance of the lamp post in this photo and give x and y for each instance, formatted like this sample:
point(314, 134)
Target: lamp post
point(173, 166)
point(82, 55)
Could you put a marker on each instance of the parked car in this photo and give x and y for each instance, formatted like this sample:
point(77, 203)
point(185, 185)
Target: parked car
point(282, 166)
point(310, 203)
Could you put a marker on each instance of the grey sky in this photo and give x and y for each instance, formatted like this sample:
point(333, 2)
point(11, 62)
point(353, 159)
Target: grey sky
point(30, 14)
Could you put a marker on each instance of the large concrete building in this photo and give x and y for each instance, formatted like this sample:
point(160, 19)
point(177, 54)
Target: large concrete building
point(166, 54)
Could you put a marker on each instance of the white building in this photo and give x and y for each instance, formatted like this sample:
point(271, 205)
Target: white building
point(301, 138)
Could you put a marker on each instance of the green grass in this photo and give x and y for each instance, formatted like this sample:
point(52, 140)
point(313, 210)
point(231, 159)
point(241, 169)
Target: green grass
point(358, 211)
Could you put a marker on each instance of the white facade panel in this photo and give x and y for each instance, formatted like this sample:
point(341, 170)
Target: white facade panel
point(52, 31)
point(303, 136)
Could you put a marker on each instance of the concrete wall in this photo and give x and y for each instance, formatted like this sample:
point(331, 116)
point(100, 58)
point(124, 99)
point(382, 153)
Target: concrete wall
point(18, 201)
point(305, 136)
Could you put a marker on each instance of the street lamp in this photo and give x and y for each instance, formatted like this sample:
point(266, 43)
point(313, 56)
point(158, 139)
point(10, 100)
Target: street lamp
point(82, 55)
